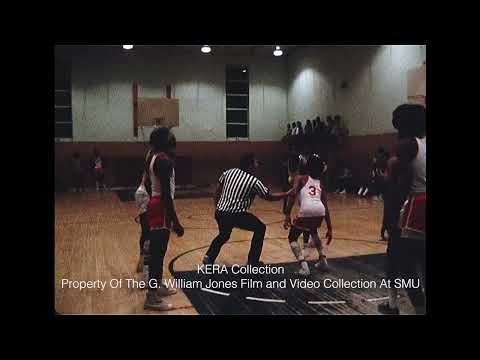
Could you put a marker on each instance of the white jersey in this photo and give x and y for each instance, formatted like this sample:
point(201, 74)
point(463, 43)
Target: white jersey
point(309, 199)
point(419, 166)
point(156, 188)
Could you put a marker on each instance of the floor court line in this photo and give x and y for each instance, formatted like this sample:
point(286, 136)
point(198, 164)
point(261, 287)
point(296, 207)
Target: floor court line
point(265, 300)
point(215, 292)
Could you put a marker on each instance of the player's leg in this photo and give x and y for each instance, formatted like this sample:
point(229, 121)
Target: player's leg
point(143, 260)
point(322, 259)
point(297, 250)
point(158, 247)
point(250, 222)
point(225, 227)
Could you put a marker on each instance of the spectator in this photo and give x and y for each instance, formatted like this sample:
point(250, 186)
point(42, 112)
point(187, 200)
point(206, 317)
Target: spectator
point(329, 125)
point(98, 167)
point(308, 132)
point(376, 183)
point(77, 173)
point(289, 130)
point(299, 128)
point(294, 129)
point(344, 182)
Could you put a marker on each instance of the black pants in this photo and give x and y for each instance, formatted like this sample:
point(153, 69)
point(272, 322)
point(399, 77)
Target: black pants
point(406, 259)
point(144, 237)
point(295, 232)
point(246, 221)
point(344, 183)
point(158, 248)
point(145, 230)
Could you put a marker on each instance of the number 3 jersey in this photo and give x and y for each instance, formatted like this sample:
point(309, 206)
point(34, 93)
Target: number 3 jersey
point(309, 199)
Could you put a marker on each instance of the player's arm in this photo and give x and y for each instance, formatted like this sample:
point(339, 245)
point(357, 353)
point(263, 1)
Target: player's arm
point(402, 175)
point(275, 196)
point(262, 191)
point(163, 169)
point(399, 179)
point(327, 217)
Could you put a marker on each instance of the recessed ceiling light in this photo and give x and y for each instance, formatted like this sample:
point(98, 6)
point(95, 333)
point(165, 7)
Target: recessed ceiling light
point(206, 49)
point(277, 51)
point(128, 47)
point(244, 70)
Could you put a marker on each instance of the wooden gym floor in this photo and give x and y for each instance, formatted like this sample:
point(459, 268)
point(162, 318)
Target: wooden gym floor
point(96, 238)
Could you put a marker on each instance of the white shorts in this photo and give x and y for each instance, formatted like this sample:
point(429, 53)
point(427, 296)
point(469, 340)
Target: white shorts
point(312, 209)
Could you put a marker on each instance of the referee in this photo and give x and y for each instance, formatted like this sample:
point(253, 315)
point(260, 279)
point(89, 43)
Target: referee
point(235, 192)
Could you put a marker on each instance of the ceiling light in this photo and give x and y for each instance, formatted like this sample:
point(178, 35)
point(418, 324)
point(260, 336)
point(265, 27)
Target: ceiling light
point(277, 51)
point(206, 49)
point(244, 70)
point(127, 47)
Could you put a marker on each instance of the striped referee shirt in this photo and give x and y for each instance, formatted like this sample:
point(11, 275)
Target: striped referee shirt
point(239, 190)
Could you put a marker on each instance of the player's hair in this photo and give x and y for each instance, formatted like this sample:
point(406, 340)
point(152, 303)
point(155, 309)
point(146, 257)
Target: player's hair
point(159, 139)
point(247, 160)
point(409, 120)
point(314, 166)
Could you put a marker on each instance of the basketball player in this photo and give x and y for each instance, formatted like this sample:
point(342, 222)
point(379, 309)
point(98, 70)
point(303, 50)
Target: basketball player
point(161, 213)
point(313, 209)
point(406, 186)
point(98, 169)
point(236, 190)
point(142, 197)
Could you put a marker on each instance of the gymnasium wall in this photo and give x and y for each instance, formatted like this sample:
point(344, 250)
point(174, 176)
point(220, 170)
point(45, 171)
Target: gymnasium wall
point(375, 78)
point(102, 79)
point(300, 86)
point(376, 82)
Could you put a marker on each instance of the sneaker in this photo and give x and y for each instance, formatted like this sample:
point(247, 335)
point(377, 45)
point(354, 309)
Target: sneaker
point(163, 291)
point(343, 192)
point(141, 261)
point(154, 302)
point(322, 264)
point(304, 269)
point(387, 310)
point(303, 272)
point(360, 191)
point(365, 192)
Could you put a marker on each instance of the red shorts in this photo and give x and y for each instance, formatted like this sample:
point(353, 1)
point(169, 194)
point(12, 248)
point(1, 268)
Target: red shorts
point(308, 223)
point(413, 216)
point(156, 214)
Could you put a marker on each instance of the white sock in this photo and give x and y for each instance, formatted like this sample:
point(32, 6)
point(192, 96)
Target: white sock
point(392, 298)
point(305, 266)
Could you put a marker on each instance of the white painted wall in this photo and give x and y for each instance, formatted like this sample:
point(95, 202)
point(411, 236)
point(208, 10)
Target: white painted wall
point(102, 96)
point(311, 83)
point(300, 87)
point(376, 78)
